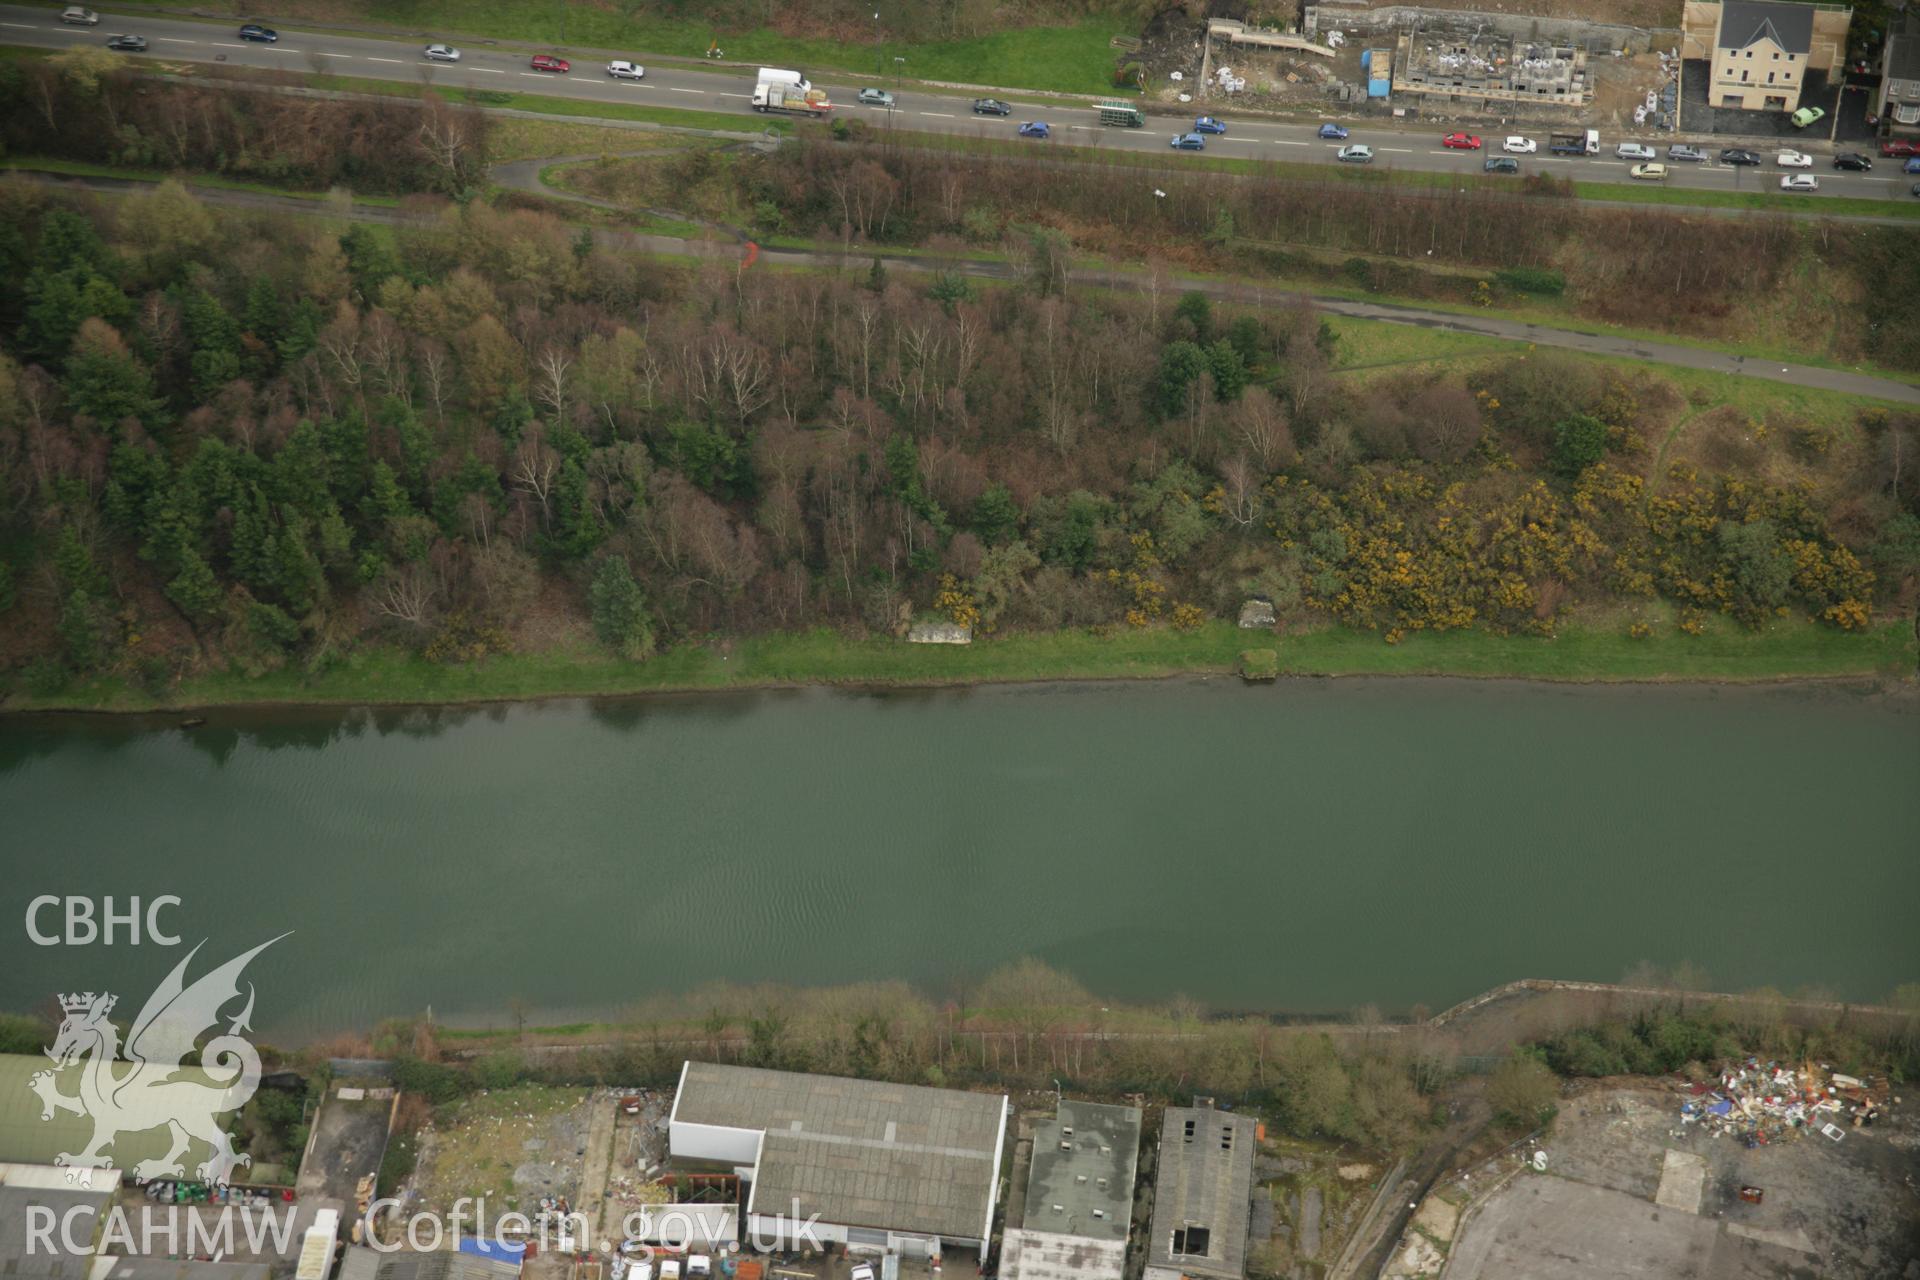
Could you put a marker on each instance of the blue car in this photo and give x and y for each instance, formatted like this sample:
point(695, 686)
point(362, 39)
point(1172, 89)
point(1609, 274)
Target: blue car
point(1189, 142)
point(1035, 129)
point(1207, 124)
point(259, 34)
point(1913, 165)
point(1332, 131)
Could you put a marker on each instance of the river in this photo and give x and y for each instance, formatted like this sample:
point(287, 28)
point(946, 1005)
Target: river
point(1307, 846)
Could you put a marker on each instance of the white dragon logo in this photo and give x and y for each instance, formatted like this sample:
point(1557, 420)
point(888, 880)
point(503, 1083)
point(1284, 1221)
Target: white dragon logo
point(148, 1097)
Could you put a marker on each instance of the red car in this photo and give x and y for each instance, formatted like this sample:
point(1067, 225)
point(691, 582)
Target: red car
point(547, 62)
point(1461, 142)
point(1899, 147)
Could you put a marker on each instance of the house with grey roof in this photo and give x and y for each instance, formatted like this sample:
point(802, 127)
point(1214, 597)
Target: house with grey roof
point(1764, 51)
point(1079, 1196)
point(1899, 104)
point(864, 1164)
point(1202, 1195)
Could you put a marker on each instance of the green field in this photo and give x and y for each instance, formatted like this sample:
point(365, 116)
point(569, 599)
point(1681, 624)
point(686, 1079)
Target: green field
point(1599, 651)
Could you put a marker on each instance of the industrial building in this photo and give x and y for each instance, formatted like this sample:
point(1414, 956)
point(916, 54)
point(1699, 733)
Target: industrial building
point(1485, 69)
point(1203, 1195)
point(832, 1161)
point(1079, 1197)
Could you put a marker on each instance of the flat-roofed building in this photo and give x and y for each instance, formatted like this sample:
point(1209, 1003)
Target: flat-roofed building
point(1203, 1195)
point(883, 1167)
point(1079, 1197)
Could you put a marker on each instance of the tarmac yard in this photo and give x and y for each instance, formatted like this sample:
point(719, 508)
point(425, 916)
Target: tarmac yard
point(1630, 1191)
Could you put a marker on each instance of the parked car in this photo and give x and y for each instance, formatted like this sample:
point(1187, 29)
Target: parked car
point(1680, 151)
point(699, 1264)
point(875, 98)
point(1739, 155)
point(1519, 146)
point(861, 1271)
point(1633, 151)
point(1501, 164)
point(1189, 142)
point(1334, 131)
point(626, 71)
point(1916, 188)
point(1794, 160)
point(1035, 129)
point(1807, 115)
point(1899, 147)
point(258, 34)
point(1207, 124)
point(548, 62)
point(991, 107)
point(79, 16)
point(1461, 142)
point(1649, 172)
point(128, 44)
point(1854, 161)
point(1912, 166)
point(440, 53)
point(1799, 182)
point(1355, 154)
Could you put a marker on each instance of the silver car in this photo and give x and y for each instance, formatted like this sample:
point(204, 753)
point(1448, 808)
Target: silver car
point(440, 53)
point(1355, 154)
point(626, 71)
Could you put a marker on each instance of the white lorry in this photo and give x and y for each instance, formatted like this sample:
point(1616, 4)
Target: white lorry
point(317, 1246)
point(793, 100)
point(777, 75)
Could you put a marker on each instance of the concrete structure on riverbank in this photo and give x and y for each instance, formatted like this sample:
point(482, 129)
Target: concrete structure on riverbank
point(886, 1167)
point(1080, 1197)
point(1203, 1195)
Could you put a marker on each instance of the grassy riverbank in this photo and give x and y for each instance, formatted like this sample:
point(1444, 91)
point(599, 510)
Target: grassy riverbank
point(377, 674)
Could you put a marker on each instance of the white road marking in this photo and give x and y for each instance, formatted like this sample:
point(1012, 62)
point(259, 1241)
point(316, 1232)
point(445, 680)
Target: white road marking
point(742, 96)
point(276, 48)
point(535, 74)
point(490, 71)
point(1398, 151)
point(671, 89)
point(18, 26)
point(395, 61)
point(1283, 142)
point(944, 115)
point(221, 45)
point(319, 54)
point(174, 40)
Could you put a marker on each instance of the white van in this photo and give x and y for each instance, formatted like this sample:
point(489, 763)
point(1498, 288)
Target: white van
point(1634, 151)
point(669, 1269)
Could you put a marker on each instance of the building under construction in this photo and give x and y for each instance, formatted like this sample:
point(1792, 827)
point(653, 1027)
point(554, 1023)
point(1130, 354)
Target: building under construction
point(1491, 69)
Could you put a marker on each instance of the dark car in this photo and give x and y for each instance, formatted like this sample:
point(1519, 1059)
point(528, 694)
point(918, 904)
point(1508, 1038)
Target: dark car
point(128, 44)
point(1332, 131)
point(1035, 129)
point(1739, 155)
point(1852, 160)
point(257, 33)
point(1916, 188)
point(1502, 164)
point(1684, 152)
point(547, 62)
point(1207, 124)
point(1189, 142)
point(991, 107)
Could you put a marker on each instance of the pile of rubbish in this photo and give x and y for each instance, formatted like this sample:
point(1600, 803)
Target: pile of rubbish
point(1758, 1103)
point(1229, 81)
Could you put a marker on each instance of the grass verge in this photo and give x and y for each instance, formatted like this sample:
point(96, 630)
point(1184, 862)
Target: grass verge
point(379, 674)
point(212, 181)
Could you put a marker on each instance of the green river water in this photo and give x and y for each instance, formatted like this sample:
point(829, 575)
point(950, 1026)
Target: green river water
point(1308, 846)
